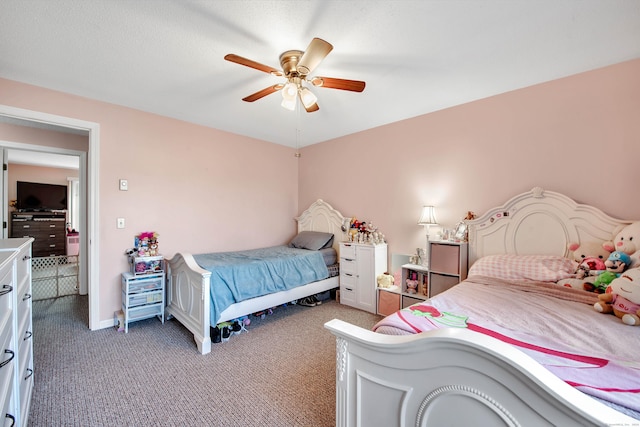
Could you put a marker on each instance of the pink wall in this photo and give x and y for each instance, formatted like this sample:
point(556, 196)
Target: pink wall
point(43, 137)
point(201, 189)
point(579, 136)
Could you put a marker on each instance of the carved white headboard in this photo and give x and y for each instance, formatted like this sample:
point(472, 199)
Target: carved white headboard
point(321, 216)
point(538, 222)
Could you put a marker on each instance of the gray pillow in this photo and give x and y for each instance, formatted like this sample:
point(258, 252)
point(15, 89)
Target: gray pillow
point(312, 240)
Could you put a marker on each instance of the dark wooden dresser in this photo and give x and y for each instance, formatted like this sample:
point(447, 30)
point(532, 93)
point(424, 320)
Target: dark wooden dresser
point(47, 228)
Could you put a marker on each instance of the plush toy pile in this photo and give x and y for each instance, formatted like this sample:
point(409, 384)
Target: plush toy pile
point(611, 269)
point(363, 232)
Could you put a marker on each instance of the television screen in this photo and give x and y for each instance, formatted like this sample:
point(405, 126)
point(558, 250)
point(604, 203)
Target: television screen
point(33, 196)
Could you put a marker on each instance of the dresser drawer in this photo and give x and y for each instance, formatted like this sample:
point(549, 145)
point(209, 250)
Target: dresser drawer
point(347, 250)
point(141, 283)
point(347, 294)
point(348, 266)
point(134, 300)
point(7, 370)
point(7, 290)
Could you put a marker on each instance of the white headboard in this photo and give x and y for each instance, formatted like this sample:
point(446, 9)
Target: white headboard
point(538, 222)
point(321, 216)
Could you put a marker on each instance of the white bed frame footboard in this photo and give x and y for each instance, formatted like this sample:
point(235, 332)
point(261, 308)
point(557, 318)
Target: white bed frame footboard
point(458, 377)
point(451, 377)
point(188, 296)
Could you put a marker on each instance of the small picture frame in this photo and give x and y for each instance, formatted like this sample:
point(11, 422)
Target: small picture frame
point(461, 232)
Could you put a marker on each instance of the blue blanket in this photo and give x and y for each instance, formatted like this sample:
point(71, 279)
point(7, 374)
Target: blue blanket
point(237, 276)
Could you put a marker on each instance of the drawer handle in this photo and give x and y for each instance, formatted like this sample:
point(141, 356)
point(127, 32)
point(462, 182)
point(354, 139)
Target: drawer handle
point(6, 289)
point(27, 335)
point(26, 226)
point(349, 259)
point(29, 373)
point(52, 236)
point(349, 289)
point(348, 274)
point(12, 418)
point(4, 362)
point(52, 226)
point(26, 297)
point(52, 246)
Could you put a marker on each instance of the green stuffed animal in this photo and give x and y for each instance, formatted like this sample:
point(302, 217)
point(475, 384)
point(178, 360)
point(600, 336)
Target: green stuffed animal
point(617, 262)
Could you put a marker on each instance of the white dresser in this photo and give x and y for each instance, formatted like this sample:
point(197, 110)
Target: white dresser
point(16, 332)
point(360, 265)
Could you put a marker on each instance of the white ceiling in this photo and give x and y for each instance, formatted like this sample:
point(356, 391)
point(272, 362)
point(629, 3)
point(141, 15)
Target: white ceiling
point(51, 160)
point(166, 56)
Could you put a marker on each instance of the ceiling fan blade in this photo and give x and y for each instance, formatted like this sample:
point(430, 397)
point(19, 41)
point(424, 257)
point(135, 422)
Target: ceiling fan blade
point(317, 50)
point(262, 93)
point(252, 64)
point(343, 84)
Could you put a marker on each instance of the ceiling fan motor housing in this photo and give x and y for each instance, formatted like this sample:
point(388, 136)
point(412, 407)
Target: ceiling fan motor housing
point(289, 62)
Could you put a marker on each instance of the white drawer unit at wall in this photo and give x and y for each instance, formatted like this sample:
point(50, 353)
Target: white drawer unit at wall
point(142, 297)
point(16, 332)
point(360, 265)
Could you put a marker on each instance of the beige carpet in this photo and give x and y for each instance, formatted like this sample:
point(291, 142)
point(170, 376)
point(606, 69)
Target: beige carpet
point(280, 373)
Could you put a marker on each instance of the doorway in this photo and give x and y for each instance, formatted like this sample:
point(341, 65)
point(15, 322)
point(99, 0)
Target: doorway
point(89, 196)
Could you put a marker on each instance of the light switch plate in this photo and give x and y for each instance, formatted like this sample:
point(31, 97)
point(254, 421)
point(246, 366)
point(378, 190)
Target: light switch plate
point(120, 223)
point(124, 185)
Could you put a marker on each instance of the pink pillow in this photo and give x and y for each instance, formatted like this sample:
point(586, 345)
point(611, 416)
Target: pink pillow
point(543, 268)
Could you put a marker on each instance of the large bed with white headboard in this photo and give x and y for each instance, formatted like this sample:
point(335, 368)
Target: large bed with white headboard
point(493, 350)
point(189, 294)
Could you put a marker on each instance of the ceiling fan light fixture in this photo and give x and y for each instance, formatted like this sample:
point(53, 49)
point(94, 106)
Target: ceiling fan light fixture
point(289, 104)
point(307, 97)
point(289, 91)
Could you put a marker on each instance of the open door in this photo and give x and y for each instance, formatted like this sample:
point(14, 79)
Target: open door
point(4, 189)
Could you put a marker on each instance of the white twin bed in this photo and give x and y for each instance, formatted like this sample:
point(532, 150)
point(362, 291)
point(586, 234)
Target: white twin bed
point(467, 356)
point(188, 290)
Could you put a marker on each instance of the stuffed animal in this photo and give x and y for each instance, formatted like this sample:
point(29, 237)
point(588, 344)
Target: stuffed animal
point(412, 283)
point(385, 280)
point(590, 257)
point(590, 266)
point(622, 298)
point(615, 264)
point(581, 251)
point(627, 240)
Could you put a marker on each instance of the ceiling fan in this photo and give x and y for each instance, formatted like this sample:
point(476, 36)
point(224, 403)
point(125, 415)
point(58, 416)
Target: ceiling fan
point(296, 67)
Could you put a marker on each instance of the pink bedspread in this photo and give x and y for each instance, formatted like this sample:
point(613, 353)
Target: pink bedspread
point(556, 326)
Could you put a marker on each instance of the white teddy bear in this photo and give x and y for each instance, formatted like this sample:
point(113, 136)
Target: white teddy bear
point(627, 240)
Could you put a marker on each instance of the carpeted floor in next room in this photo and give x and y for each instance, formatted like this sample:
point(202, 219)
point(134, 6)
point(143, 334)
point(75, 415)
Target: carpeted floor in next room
point(280, 373)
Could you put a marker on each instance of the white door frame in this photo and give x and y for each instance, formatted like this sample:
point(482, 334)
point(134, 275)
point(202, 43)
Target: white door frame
point(89, 174)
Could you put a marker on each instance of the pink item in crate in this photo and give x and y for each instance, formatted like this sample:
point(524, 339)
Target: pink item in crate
point(73, 243)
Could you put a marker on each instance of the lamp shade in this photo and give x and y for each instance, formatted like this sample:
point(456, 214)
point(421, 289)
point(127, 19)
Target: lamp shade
point(307, 97)
point(289, 104)
point(428, 216)
point(289, 91)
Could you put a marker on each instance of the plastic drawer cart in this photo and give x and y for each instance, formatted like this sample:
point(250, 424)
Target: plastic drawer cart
point(142, 297)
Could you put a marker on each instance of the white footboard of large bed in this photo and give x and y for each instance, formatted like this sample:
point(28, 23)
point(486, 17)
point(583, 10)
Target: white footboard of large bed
point(188, 298)
point(451, 377)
